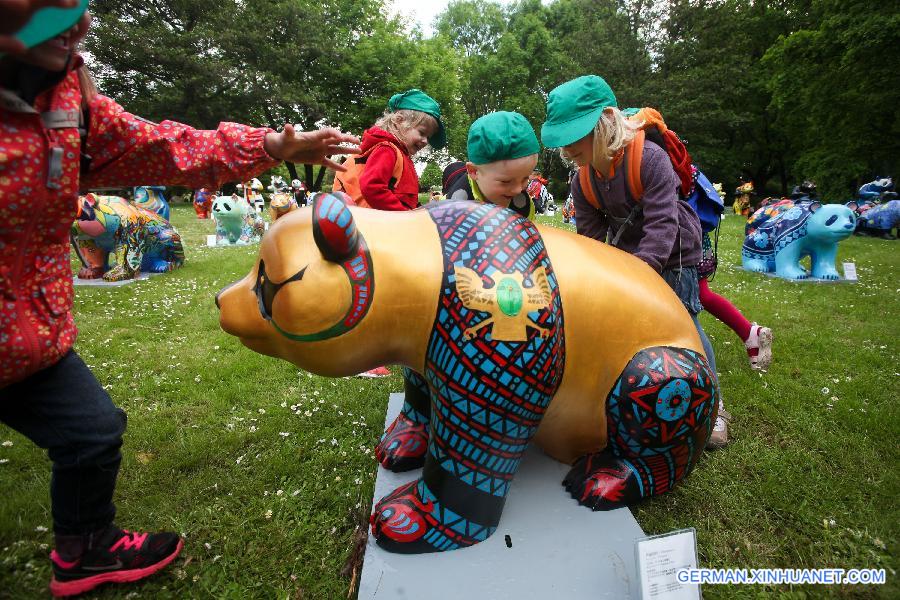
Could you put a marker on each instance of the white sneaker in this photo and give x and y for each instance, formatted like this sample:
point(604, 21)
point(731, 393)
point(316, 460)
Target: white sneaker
point(759, 347)
point(719, 436)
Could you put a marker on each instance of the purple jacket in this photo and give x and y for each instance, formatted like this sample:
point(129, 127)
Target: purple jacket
point(655, 234)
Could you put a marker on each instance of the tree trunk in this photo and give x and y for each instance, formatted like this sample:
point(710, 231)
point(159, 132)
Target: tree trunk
point(317, 187)
point(292, 170)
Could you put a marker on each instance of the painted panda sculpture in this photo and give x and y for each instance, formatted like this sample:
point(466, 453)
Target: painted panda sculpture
point(117, 240)
point(153, 198)
point(880, 219)
point(508, 333)
point(781, 234)
point(237, 223)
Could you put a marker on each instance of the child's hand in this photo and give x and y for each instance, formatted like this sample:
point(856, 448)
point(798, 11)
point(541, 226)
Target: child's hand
point(311, 147)
point(16, 13)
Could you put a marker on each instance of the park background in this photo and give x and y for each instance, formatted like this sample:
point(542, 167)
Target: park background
point(268, 471)
point(774, 92)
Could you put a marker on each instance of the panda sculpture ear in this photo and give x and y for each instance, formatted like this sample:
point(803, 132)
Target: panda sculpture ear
point(815, 206)
point(852, 205)
point(334, 228)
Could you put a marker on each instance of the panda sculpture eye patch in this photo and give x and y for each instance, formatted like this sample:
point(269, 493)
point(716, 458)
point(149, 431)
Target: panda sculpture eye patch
point(265, 289)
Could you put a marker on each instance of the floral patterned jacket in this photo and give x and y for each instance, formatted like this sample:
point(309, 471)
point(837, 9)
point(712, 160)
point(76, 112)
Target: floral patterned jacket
point(40, 177)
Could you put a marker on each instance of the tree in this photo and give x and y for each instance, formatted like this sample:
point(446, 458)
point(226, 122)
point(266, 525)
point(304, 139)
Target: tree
point(263, 62)
point(711, 88)
point(836, 88)
point(473, 26)
point(605, 37)
point(508, 60)
point(431, 177)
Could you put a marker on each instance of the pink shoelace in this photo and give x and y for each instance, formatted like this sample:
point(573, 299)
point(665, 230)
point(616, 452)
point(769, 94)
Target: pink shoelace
point(130, 540)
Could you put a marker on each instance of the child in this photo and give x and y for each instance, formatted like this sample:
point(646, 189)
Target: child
point(412, 121)
point(757, 340)
point(569, 210)
point(56, 135)
point(585, 122)
point(502, 149)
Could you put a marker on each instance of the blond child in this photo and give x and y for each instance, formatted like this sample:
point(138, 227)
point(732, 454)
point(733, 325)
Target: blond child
point(411, 122)
point(503, 151)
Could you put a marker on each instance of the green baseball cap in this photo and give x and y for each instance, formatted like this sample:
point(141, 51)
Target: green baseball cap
point(48, 23)
point(501, 136)
point(573, 109)
point(415, 99)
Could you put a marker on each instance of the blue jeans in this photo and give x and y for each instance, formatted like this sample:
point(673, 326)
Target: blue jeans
point(66, 411)
point(686, 285)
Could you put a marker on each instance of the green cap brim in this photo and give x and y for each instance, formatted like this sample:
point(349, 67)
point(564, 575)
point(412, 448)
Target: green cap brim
point(439, 139)
point(557, 135)
point(48, 23)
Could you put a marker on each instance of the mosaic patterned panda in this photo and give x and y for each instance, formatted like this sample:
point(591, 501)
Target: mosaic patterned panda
point(509, 333)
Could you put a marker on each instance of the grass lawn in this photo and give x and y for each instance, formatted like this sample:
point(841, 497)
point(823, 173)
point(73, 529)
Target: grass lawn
point(267, 471)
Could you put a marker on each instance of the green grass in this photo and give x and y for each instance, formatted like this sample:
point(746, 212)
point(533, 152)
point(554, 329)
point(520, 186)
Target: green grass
point(266, 470)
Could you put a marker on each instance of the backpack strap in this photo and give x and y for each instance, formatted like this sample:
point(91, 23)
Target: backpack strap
point(587, 186)
point(84, 125)
point(585, 181)
point(631, 162)
point(398, 162)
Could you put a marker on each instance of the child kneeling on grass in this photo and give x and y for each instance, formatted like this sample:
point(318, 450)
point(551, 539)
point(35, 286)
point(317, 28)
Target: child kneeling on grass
point(503, 151)
point(58, 134)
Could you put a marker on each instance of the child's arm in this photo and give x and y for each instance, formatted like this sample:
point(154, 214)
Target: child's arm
point(128, 150)
point(373, 183)
point(660, 209)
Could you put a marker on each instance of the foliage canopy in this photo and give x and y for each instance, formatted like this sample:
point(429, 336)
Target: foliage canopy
point(773, 92)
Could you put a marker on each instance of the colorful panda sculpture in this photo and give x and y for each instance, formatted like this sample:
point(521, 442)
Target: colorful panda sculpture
point(237, 223)
point(508, 333)
point(778, 236)
point(116, 240)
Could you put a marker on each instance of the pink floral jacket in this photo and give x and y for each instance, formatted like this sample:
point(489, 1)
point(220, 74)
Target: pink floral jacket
point(40, 148)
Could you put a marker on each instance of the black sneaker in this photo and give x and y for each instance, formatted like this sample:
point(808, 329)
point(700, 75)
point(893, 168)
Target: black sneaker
point(116, 555)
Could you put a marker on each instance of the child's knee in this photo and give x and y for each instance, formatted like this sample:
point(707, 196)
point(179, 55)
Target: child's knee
point(96, 442)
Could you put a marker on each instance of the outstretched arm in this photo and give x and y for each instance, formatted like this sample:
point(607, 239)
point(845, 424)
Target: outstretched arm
point(128, 150)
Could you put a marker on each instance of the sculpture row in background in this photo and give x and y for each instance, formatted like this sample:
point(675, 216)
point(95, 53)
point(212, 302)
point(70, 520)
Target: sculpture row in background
point(116, 239)
point(282, 200)
point(878, 208)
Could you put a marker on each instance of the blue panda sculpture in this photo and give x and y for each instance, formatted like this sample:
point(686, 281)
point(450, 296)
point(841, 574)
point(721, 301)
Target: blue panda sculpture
point(807, 228)
point(880, 219)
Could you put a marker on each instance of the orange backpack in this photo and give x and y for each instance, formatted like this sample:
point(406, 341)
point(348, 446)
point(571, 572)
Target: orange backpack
point(652, 126)
point(348, 181)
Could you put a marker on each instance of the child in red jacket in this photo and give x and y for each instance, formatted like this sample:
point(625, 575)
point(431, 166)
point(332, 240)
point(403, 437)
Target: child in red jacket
point(412, 121)
point(56, 135)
